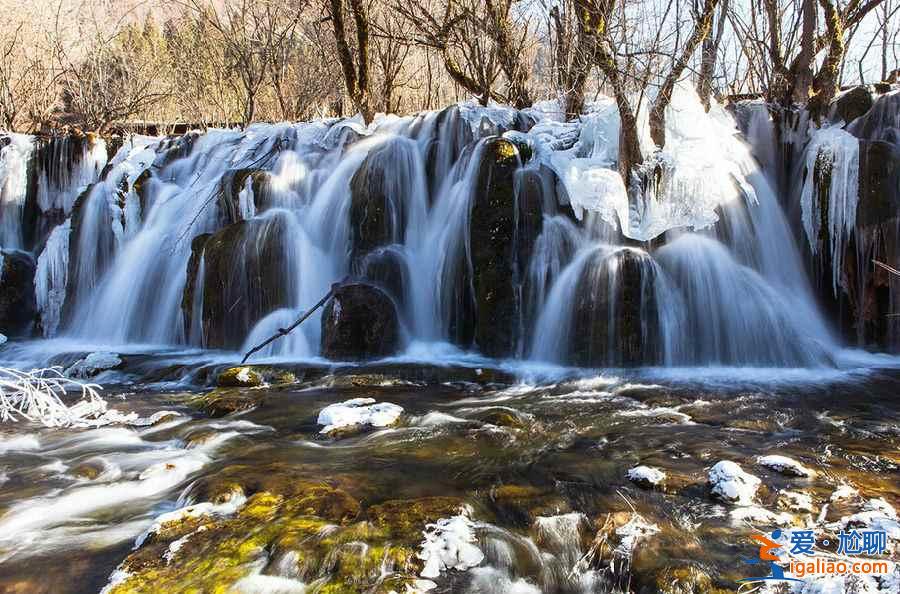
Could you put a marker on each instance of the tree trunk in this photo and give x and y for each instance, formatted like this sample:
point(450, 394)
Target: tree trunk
point(702, 27)
point(356, 72)
point(709, 53)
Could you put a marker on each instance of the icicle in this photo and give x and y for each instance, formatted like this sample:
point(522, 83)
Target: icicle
point(832, 158)
point(51, 277)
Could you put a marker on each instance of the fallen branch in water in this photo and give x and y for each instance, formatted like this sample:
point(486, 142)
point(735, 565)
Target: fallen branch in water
point(286, 331)
point(37, 396)
point(893, 271)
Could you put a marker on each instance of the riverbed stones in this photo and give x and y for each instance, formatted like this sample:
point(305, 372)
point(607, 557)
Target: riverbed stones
point(18, 307)
point(359, 322)
point(94, 364)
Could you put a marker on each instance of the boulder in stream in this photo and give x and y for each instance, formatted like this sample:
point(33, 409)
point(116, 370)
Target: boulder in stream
point(360, 322)
point(18, 307)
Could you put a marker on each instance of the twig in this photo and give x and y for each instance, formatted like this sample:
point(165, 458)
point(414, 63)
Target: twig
point(286, 331)
point(886, 267)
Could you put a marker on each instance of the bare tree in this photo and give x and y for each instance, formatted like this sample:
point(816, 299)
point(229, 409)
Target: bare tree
point(354, 64)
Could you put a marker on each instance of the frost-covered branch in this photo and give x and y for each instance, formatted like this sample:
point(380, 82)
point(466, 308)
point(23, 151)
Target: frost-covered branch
point(37, 396)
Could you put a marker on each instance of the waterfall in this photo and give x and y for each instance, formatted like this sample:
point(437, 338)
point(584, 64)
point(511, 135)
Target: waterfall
point(217, 240)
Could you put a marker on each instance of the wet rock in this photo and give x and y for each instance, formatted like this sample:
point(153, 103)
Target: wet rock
point(18, 308)
point(386, 268)
point(246, 276)
point(404, 519)
point(235, 181)
point(521, 505)
point(382, 374)
point(615, 318)
point(853, 103)
point(188, 296)
point(360, 322)
point(377, 203)
point(505, 418)
point(226, 401)
point(795, 501)
point(729, 482)
point(682, 580)
point(502, 231)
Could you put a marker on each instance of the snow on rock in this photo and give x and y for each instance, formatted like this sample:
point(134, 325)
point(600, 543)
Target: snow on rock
point(358, 412)
point(729, 482)
point(756, 515)
point(795, 501)
point(449, 544)
point(844, 491)
point(631, 533)
point(2, 339)
point(876, 514)
point(93, 364)
point(785, 465)
point(646, 476)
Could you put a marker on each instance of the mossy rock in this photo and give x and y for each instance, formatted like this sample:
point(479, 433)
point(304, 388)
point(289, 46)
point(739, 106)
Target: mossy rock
point(404, 519)
point(519, 505)
point(240, 377)
point(854, 103)
point(225, 401)
point(502, 230)
point(323, 542)
point(504, 418)
point(683, 580)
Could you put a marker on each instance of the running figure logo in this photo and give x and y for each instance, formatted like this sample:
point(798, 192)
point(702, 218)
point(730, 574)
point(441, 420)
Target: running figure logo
point(768, 557)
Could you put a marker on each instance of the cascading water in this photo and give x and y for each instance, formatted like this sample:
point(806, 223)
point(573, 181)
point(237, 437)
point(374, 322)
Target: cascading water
point(506, 246)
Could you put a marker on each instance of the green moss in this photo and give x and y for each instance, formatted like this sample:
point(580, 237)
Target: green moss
point(236, 377)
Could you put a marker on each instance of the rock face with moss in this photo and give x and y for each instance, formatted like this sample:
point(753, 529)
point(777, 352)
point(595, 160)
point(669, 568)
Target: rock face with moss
point(378, 200)
point(246, 275)
point(502, 231)
point(233, 183)
point(615, 315)
point(288, 526)
point(360, 322)
point(17, 301)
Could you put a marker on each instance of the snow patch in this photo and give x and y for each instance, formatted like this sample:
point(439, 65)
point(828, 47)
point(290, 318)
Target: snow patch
point(646, 475)
point(730, 482)
point(358, 412)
